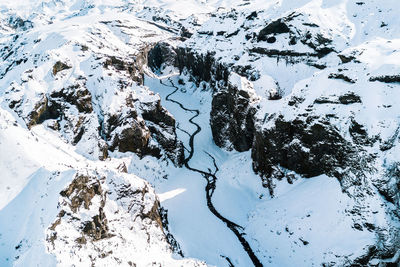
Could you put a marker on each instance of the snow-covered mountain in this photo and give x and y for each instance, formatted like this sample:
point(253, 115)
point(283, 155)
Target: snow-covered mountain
point(199, 133)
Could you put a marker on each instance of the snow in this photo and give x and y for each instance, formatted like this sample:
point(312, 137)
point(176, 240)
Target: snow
point(306, 223)
point(24, 153)
point(190, 221)
point(23, 226)
point(313, 210)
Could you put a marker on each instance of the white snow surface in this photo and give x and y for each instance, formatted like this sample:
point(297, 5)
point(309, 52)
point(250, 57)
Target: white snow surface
point(306, 223)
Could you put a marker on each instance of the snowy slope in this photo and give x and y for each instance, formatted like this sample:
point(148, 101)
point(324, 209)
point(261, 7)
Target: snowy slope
point(39, 224)
point(103, 162)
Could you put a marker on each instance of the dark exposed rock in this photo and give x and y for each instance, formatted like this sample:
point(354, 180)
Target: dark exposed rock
point(326, 100)
point(19, 23)
point(346, 99)
point(275, 27)
point(229, 35)
point(276, 52)
point(133, 138)
point(252, 15)
point(349, 98)
point(312, 25)
point(206, 32)
point(154, 214)
point(171, 239)
point(309, 148)
point(386, 78)
point(341, 77)
point(359, 134)
point(203, 67)
point(390, 142)
point(44, 110)
point(97, 228)
point(161, 53)
point(162, 126)
point(81, 192)
point(185, 33)
point(346, 59)
point(81, 240)
point(294, 101)
point(130, 132)
point(79, 130)
point(75, 95)
point(154, 112)
point(232, 118)
point(53, 106)
point(132, 68)
point(321, 45)
point(271, 40)
point(171, 146)
point(56, 108)
point(389, 184)
point(59, 66)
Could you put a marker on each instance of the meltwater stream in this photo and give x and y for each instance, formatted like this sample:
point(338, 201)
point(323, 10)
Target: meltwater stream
point(211, 178)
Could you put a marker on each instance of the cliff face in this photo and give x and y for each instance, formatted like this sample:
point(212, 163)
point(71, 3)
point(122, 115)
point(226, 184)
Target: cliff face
point(79, 108)
point(232, 114)
point(320, 126)
point(103, 213)
point(288, 111)
point(73, 102)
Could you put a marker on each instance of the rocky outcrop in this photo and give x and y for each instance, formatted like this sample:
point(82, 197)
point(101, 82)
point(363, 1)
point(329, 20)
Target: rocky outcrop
point(141, 126)
point(77, 95)
point(232, 114)
point(160, 56)
point(102, 215)
point(126, 132)
point(310, 148)
point(43, 110)
point(161, 125)
point(275, 27)
point(145, 128)
point(306, 140)
point(202, 67)
point(18, 23)
point(132, 67)
point(388, 185)
point(60, 66)
point(80, 194)
point(386, 78)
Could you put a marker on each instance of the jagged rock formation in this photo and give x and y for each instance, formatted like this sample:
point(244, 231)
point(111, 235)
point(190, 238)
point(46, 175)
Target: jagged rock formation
point(305, 133)
point(309, 89)
point(80, 113)
point(232, 114)
point(110, 215)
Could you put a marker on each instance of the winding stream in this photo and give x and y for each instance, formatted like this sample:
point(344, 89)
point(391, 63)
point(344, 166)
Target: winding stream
point(211, 179)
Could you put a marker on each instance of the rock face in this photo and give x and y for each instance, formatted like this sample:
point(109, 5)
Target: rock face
point(232, 114)
point(72, 84)
point(310, 148)
point(59, 66)
point(80, 193)
point(316, 128)
point(202, 67)
point(161, 56)
point(143, 127)
point(109, 219)
point(275, 27)
point(81, 114)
